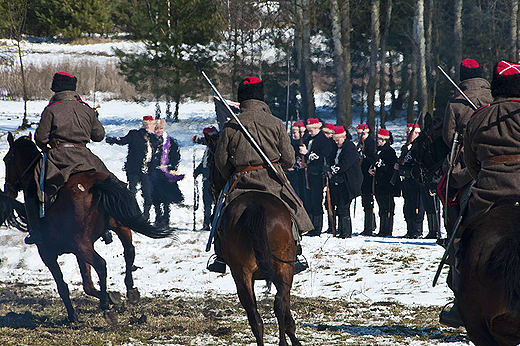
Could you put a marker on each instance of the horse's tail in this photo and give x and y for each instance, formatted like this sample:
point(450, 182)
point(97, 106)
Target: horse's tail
point(253, 221)
point(120, 203)
point(504, 263)
point(12, 213)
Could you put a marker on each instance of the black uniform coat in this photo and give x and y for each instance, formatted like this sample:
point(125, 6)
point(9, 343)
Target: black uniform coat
point(347, 177)
point(140, 150)
point(164, 190)
point(386, 158)
point(367, 157)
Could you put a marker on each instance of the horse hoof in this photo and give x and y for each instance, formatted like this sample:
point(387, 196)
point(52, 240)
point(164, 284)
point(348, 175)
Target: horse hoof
point(111, 317)
point(133, 295)
point(72, 317)
point(115, 298)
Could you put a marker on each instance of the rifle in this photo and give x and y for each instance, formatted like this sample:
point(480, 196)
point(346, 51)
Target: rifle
point(195, 195)
point(375, 154)
point(255, 145)
point(458, 89)
point(42, 183)
point(329, 207)
point(403, 154)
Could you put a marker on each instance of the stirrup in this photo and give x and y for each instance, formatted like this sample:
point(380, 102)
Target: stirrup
point(451, 318)
point(217, 266)
point(300, 264)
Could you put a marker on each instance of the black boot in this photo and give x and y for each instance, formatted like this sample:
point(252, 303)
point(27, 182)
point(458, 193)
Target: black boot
point(345, 227)
point(370, 223)
point(218, 265)
point(32, 208)
point(146, 212)
point(451, 318)
point(165, 217)
point(317, 222)
point(107, 237)
point(434, 231)
point(412, 231)
point(382, 226)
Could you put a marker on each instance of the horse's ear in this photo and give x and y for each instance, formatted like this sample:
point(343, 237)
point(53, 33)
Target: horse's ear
point(10, 138)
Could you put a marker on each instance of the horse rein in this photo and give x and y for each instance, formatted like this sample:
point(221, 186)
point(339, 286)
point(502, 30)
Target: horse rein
point(17, 185)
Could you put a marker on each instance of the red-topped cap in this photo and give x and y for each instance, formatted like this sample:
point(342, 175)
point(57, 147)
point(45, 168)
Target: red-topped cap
point(506, 68)
point(383, 133)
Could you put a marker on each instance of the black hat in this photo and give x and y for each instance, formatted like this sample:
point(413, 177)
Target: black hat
point(250, 88)
point(63, 81)
point(506, 79)
point(470, 68)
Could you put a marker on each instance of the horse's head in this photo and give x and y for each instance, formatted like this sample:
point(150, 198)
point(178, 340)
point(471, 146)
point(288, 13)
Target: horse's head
point(216, 180)
point(20, 161)
point(429, 151)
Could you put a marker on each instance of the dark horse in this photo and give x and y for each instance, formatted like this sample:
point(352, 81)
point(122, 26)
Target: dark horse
point(84, 208)
point(489, 256)
point(258, 244)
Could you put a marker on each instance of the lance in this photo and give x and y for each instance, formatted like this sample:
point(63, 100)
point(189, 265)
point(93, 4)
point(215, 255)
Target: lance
point(254, 143)
point(458, 89)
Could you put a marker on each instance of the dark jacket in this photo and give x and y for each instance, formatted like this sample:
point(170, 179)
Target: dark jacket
point(346, 171)
point(234, 150)
point(320, 149)
point(492, 131)
point(166, 159)
point(140, 150)
point(457, 115)
point(367, 158)
point(386, 158)
point(67, 119)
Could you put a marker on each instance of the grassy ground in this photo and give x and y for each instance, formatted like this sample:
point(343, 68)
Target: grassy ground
point(32, 317)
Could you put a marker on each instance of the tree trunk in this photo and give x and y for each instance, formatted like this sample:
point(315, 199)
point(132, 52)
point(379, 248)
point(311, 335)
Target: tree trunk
point(457, 38)
point(420, 58)
point(339, 70)
point(298, 29)
point(513, 50)
point(382, 73)
point(372, 81)
point(347, 65)
point(410, 114)
point(306, 82)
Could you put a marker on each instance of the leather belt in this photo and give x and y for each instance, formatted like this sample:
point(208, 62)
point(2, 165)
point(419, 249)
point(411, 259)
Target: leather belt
point(59, 144)
point(245, 169)
point(501, 159)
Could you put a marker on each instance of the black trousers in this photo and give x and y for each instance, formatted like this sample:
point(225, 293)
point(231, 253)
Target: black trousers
point(314, 195)
point(146, 185)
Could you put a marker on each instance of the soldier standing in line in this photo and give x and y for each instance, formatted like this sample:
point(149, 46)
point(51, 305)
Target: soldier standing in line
point(458, 114)
point(141, 144)
point(328, 131)
point(316, 150)
point(385, 192)
point(296, 174)
point(345, 179)
point(367, 157)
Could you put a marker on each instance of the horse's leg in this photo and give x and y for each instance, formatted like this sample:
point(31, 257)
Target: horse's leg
point(280, 312)
point(282, 302)
point(247, 298)
point(90, 256)
point(88, 285)
point(125, 235)
point(51, 261)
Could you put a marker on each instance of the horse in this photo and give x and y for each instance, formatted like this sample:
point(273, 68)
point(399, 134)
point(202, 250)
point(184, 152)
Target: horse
point(84, 208)
point(258, 244)
point(489, 292)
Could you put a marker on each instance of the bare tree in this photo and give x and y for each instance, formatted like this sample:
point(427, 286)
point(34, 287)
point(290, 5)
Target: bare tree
point(17, 14)
point(306, 81)
point(346, 25)
point(513, 50)
point(420, 56)
point(339, 70)
point(457, 37)
point(372, 81)
point(383, 75)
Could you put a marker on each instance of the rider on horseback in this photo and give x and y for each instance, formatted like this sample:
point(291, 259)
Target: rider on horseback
point(458, 113)
point(67, 124)
point(238, 161)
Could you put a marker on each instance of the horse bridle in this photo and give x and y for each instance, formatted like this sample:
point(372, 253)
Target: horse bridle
point(18, 185)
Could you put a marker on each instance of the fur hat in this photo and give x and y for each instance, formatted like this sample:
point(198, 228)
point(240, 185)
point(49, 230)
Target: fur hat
point(250, 88)
point(383, 133)
point(148, 119)
point(339, 131)
point(506, 79)
point(328, 128)
point(302, 126)
point(470, 68)
point(63, 81)
point(210, 131)
point(363, 128)
point(417, 127)
point(314, 122)
point(296, 125)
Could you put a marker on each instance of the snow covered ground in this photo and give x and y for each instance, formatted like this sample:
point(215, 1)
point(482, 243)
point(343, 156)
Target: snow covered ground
point(369, 269)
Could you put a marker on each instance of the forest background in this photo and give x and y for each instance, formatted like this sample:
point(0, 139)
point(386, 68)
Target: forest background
point(365, 53)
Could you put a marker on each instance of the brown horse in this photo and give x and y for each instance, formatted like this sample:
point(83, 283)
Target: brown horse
point(489, 293)
point(84, 208)
point(258, 244)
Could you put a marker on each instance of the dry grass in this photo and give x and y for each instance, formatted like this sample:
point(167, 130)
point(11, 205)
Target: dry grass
point(29, 317)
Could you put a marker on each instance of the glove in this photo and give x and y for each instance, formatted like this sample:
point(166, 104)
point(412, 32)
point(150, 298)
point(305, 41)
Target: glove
point(111, 140)
point(313, 156)
point(334, 169)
